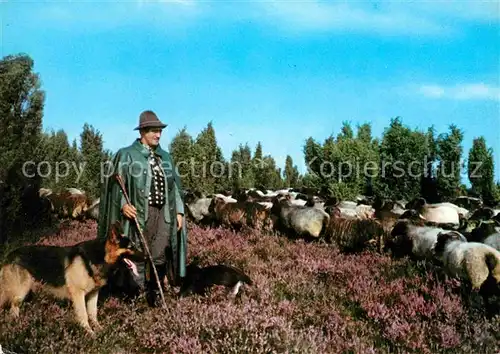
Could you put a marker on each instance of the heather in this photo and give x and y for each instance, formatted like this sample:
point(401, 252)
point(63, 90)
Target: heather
point(307, 297)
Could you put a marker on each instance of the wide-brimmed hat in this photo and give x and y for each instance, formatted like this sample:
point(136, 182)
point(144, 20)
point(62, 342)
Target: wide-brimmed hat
point(148, 119)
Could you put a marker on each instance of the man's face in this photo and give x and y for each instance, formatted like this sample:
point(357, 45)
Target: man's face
point(151, 136)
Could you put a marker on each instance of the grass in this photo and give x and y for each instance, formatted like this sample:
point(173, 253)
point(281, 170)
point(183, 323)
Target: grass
point(306, 298)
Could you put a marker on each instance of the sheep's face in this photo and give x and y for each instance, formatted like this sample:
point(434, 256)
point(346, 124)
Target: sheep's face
point(401, 228)
point(414, 217)
point(443, 238)
point(417, 204)
point(398, 245)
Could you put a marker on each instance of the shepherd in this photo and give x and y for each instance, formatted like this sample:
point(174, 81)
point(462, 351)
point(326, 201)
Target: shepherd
point(154, 189)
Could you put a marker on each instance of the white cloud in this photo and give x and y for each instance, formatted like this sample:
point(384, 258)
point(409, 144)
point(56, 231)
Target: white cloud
point(432, 91)
point(386, 17)
point(84, 15)
point(474, 91)
point(472, 10)
point(318, 16)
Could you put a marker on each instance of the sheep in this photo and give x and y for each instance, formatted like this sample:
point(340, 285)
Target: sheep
point(352, 234)
point(468, 202)
point(386, 212)
point(477, 263)
point(417, 241)
point(302, 220)
point(364, 211)
point(240, 214)
point(482, 214)
point(482, 231)
point(493, 241)
point(197, 209)
point(44, 192)
point(92, 212)
point(443, 213)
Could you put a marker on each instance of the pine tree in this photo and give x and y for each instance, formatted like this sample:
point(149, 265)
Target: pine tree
point(205, 154)
point(181, 149)
point(428, 187)
point(368, 160)
point(62, 160)
point(259, 165)
point(21, 111)
point(241, 169)
point(449, 153)
point(313, 156)
point(291, 173)
point(480, 168)
point(93, 157)
point(402, 152)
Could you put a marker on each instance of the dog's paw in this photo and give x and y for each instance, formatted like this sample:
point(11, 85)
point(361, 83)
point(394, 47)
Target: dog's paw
point(89, 331)
point(14, 312)
point(96, 325)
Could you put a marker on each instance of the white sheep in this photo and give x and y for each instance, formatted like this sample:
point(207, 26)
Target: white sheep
point(475, 262)
point(417, 241)
point(493, 241)
point(441, 213)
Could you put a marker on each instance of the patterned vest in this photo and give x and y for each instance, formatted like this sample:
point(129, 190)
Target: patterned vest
point(157, 191)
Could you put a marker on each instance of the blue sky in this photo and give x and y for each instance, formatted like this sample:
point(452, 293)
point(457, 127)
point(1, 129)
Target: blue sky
point(270, 71)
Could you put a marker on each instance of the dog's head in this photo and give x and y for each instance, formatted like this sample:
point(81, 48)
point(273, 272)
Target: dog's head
point(193, 267)
point(443, 238)
point(118, 246)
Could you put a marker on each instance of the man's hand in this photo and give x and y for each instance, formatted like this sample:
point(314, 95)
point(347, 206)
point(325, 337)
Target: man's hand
point(179, 222)
point(129, 211)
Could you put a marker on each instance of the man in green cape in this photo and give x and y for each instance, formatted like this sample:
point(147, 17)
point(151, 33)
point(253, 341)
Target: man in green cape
point(154, 189)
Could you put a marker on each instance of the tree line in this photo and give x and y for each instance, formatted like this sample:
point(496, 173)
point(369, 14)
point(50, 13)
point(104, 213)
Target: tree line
point(402, 164)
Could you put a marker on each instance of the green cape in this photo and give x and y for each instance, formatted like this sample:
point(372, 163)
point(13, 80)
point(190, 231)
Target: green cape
point(131, 163)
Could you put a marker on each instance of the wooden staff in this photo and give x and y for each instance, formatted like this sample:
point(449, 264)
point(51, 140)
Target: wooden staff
point(143, 240)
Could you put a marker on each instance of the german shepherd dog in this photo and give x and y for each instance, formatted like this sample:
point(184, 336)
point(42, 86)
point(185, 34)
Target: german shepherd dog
point(75, 272)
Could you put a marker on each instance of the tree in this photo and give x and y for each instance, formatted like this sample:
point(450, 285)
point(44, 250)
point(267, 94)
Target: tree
point(62, 159)
point(21, 111)
point(206, 154)
point(428, 184)
point(291, 173)
point(181, 149)
point(220, 170)
point(480, 169)
point(313, 156)
point(270, 174)
point(449, 152)
point(368, 159)
point(364, 133)
point(258, 166)
point(346, 131)
point(241, 169)
point(92, 158)
point(402, 152)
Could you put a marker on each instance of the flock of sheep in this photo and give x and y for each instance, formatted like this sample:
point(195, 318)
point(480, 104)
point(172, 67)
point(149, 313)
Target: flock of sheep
point(463, 236)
